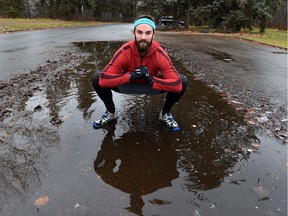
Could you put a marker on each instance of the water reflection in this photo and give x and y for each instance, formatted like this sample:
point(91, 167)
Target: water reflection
point(102, 52)
point(136, 166)
point(138, 154)
point(213, 138)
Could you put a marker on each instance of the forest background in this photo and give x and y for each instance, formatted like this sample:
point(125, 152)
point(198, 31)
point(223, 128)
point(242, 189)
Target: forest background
point(224, 15)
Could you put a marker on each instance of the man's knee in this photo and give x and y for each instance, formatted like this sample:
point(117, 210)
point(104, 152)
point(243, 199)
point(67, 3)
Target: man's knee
point(95, 79)
point(184, 83)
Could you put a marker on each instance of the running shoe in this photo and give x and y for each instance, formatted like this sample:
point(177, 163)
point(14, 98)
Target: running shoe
point(168, 119)
point(104, 119)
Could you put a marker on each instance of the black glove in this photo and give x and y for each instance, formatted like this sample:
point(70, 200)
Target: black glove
point(148, 78)
point(136, 74)
point(142, 73)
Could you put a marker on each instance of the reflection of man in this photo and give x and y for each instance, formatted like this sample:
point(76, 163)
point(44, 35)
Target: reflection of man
point(137, 168)
point(140, 66)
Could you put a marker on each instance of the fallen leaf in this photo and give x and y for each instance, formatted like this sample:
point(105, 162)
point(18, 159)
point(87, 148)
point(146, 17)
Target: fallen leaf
point(235, 102)
point(255, 146)
point(250, 110)
point(251, 122)
point(260, 192)
point(239, 108)
point(41, 201)
point(249, 150)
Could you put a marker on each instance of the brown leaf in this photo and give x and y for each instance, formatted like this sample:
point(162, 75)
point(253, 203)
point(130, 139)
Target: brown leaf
point(251, 110)
point(251, 122)
point(41, 201)
point(239, 108)
point(255, 146)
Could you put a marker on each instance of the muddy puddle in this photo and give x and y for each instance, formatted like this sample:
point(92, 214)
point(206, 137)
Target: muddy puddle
point(215, 165)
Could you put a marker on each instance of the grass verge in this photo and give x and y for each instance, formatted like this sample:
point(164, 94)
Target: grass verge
point(272, 37)
point(14, 25)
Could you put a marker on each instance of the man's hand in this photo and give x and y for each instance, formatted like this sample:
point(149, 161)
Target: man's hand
point(142, 73)
point(136, 74)
point(148, 78)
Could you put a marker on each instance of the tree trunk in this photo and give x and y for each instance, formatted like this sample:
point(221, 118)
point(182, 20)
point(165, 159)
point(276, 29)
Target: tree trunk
point(28, 9)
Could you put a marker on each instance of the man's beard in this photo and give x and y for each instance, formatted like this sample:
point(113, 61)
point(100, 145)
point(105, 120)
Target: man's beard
point(143, 45)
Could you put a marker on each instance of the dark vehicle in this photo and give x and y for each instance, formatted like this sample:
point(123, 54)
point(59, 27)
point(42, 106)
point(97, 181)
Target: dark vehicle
point(165, 21)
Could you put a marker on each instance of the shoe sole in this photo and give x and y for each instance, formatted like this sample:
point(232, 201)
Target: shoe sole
point(174, 129)
point(96, 126)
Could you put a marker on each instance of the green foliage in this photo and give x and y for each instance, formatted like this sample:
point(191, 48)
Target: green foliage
point(227, 15)
point(156, 8)
point(12, 8)
point(115, 10)
point(232, 15)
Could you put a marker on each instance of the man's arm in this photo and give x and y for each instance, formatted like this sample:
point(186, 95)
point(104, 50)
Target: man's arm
point(170, 79)
point(113, 74)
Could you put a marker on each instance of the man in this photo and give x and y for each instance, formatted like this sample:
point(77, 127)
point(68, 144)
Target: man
point(140, 66)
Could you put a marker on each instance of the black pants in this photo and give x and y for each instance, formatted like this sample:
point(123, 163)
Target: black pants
point(105, 94)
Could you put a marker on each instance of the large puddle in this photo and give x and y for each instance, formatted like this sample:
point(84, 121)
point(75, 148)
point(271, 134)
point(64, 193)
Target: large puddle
point(215, 165)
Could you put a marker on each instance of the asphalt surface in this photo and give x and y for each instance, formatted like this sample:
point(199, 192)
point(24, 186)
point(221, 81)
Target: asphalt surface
point(220, 163)
point(264, 66)
point(25, 51)
point(267, 66)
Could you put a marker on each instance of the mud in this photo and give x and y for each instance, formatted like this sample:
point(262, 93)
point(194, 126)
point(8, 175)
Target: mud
point(49, 112)
point(26, 142)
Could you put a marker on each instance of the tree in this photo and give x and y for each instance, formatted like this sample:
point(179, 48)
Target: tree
point(280, 17)
point(228, 15)
point(27, 4)
point(115, 10)
point(232, 15)
point(62, 9)
point(12, 8)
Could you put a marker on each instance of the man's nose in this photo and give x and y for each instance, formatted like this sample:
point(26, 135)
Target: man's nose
point(143, 36)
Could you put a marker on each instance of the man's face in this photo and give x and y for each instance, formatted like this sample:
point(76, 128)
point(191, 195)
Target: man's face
point(144, 35)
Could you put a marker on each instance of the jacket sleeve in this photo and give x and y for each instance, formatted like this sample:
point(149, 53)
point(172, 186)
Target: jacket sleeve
point(170, 79)
point(114, 73)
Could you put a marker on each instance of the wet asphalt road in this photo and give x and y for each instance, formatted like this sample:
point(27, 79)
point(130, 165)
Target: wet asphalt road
point(257, 67)
point(266, 66)
point(135, 166)
point(25, 51)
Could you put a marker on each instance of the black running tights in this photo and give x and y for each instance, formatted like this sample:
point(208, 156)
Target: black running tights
point(105, 94)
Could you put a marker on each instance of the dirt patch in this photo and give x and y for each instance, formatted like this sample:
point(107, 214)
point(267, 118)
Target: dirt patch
point(14, 93)
point(20, 88)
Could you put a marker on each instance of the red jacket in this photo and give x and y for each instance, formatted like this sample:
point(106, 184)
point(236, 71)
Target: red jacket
point(127, 58)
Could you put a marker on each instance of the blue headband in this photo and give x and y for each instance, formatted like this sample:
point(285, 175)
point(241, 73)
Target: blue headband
point(145, 21)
